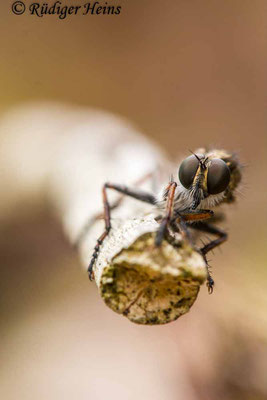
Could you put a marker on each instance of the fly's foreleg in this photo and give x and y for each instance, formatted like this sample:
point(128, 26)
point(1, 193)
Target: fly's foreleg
point(166, 220)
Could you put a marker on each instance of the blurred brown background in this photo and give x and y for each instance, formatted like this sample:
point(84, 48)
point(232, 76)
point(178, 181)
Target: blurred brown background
point(189, 73)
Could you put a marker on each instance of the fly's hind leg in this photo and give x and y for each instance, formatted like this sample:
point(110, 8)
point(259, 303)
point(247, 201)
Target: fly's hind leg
point(136, 194)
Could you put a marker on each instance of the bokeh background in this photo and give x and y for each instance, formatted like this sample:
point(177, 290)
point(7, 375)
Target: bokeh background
point(188, 73)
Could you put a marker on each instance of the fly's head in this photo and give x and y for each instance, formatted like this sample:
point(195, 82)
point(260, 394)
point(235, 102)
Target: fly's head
point(210, 177)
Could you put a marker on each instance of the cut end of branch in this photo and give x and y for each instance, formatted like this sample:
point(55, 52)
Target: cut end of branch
point(152, 285)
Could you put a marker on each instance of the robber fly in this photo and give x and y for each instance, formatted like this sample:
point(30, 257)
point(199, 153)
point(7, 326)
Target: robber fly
point(205, 180)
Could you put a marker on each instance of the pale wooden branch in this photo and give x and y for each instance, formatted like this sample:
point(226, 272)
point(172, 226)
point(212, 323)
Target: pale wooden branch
point(146, 284)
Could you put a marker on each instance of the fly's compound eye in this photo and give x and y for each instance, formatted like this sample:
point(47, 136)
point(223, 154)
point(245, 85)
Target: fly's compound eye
point(187, 171)
point(218, 176)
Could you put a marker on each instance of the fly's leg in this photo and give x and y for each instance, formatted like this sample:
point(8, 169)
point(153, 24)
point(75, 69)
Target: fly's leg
point(91, 222)
point(165, 222)
point(179, 219)
point(189, 216)
point(221, 237)
point(138, 195)
point(104, 234)
point(100, 215)
point(194, 216)
point(210, 281)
